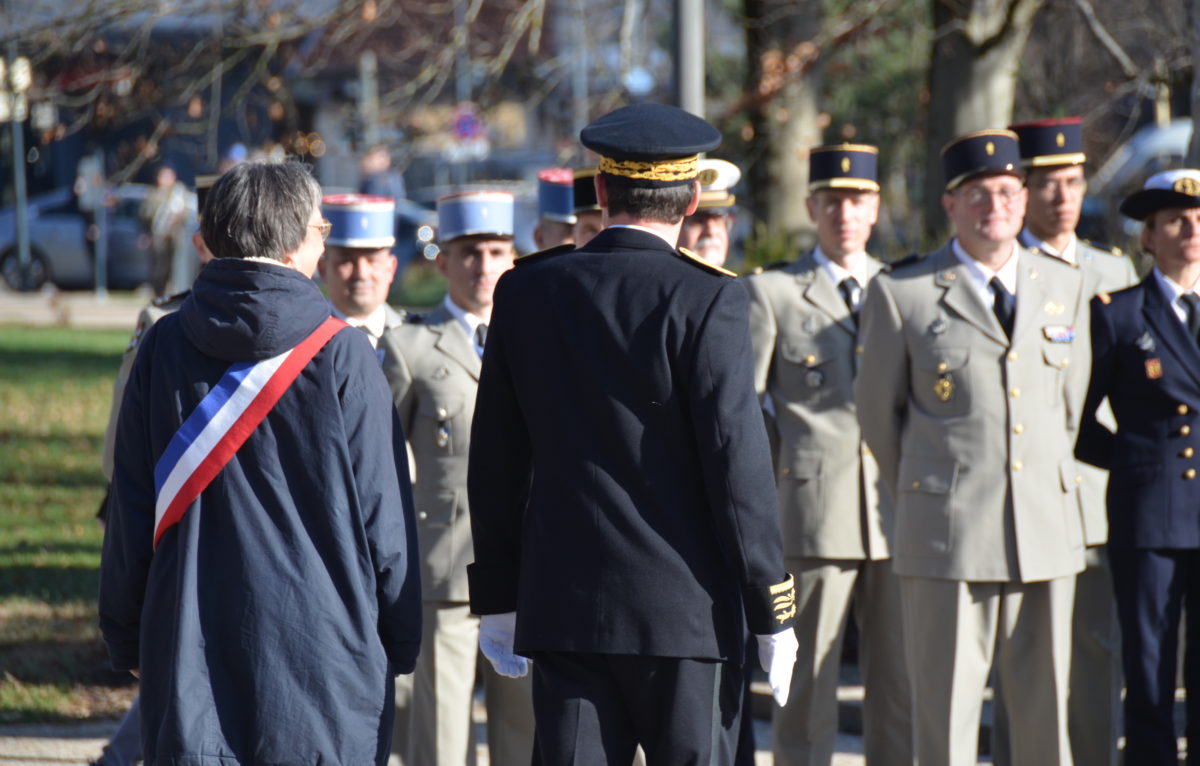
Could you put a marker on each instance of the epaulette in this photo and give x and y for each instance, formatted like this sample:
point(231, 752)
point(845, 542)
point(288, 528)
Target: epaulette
point(163, 300)
point(774, 266)
point(1104, 298)
point(696, 260)
point(413, 318)
point(547, 253)
point(1105, 248)
point(907, 260)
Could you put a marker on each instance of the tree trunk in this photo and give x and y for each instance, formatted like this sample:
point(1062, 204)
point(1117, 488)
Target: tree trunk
point(784, 83)
point(1193, 155)
point(972, 78)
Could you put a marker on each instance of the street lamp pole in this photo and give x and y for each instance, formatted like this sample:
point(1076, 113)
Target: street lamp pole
point(18, 77)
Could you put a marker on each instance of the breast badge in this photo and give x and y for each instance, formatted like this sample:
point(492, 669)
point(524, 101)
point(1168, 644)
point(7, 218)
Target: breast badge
point(1146, 343)
point(814, 378)
point(937, 326)
point(1054, 309)
point(443, 436)
point(441, 373)
point(1153, 369)
point(943, 389)
point(809, 325)
point(1059, 333)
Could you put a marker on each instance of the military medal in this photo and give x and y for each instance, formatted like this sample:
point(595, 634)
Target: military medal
point(1059, 333)
point(943, 389)
point(443, 436)
point(814, 378)
point(1153, 369)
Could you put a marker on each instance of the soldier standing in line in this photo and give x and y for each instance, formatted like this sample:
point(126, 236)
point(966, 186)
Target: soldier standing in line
point(973, 359)
point(836, 516)
point(432, 364)
point(556, 208)
point(589, 217)
point(1053, 157)
point(1147, 364)
point(706, 232)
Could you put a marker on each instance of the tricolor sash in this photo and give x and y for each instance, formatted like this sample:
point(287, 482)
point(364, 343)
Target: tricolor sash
point(222, 422)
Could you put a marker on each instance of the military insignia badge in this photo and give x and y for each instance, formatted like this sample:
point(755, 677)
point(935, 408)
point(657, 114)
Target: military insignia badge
point(1055, 309)
point(845, 164)
point(943, 389)
point(809, 325)
point(814, 378)
point(441, 373)
point(1153, 369)
point(949, 276)
point(1188, 186)
point(1060, 333)
point(1033, 274)
point(137, 336)
point(443, 436)
point(990, 148)
point(1060, 140)
point(937, 326)
point(1146, 343)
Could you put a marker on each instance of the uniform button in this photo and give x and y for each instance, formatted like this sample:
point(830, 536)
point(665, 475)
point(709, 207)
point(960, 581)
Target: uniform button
point(942, 367)
point(1182, 409)
point(1015, 392)
point(1187, 452)
point(787, 471)
point(916, 485)
point(1189, 473)
point(1185, 430)
point(1078, 479)
point(810, 359)
point(1018, 465)
point(442, 413)
point(858, 349)
point(867, 450)
point(422, 515)
point(1066, 362)
point(1018, 429)
point(1012, 356)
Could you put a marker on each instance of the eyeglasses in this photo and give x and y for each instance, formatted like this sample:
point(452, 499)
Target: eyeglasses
point(324, 227)
point(977, 196)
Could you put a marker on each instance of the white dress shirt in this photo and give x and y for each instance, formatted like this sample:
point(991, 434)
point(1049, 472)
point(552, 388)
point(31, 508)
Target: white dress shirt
point(981, 276)
point(468, 321)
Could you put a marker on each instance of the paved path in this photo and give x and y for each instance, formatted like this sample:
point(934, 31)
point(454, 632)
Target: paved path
point(54, 308)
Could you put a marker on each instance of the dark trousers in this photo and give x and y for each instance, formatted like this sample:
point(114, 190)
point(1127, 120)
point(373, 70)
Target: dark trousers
point(1153, 587)
point(593, 709)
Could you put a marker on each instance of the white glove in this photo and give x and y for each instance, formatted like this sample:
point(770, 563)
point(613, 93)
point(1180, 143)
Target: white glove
point(777, 654)
point(496, 632)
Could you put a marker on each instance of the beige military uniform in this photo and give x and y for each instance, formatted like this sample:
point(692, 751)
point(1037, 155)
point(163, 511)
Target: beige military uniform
point(433, 370)
point(835, 517)
point(975, 432)
point(157, 309)
point(1094, 704)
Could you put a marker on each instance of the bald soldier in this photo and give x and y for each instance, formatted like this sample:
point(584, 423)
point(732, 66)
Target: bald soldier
point(974, 358)
point(836, 516)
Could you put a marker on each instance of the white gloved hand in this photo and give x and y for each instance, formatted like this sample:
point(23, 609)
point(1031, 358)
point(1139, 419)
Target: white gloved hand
point(496, 633)
point(777, 654)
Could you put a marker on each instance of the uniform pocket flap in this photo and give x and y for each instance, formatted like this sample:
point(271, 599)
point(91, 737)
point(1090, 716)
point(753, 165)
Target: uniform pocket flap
point(806, 464)
point(941, 358)
point(935, 477)
point(1072, 477)
point(1057, 356)
point(441, 407)
point(807, 354)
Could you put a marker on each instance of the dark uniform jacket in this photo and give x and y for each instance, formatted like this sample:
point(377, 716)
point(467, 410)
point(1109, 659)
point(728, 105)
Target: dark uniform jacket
point(1148, 367)
point(622, 498)
point(268, 623)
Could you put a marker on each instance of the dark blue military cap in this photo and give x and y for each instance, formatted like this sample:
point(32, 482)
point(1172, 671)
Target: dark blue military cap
point(556, 194)
point(843, 166)
point(1170, 188)
point(585, 190)
point(1051, 142)
point(653, 145)
point(984, 152)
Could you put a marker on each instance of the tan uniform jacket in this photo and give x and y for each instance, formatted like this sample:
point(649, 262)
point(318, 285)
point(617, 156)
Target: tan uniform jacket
point(1103, 271)
point(831, 502)
point(433, 370)
point(157, 309)
point(974, 432)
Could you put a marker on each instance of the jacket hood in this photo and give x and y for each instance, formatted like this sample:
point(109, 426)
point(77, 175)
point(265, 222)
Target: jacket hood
point(248, 310)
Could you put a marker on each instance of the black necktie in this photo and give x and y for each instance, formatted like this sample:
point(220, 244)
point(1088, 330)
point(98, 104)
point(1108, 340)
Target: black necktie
point(851, 294)
point(1192, 301)
point(1004, 306)
point(480, 336)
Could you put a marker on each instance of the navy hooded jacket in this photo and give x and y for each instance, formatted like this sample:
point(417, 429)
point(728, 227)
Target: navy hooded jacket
point(269, 622)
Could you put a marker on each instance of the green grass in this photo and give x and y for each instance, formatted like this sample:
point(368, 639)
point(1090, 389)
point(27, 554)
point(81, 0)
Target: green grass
point(55, 390)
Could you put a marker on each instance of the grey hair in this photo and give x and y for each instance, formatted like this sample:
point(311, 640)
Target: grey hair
point(259, 209)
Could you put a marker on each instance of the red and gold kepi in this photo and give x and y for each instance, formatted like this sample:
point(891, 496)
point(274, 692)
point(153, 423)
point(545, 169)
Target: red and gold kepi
point(1050, 143)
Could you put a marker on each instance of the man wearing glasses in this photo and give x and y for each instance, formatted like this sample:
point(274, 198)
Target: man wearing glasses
point(974, 359)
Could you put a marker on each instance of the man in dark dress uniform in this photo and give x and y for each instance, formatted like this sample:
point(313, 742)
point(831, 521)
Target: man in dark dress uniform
point(1145, 360)
point(623, 511)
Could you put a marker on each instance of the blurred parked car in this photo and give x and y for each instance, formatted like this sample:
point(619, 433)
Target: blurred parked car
point(60, 252)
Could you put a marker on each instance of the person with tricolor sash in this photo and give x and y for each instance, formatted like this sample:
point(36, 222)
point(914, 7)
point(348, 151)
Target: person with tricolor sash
point(259, 570)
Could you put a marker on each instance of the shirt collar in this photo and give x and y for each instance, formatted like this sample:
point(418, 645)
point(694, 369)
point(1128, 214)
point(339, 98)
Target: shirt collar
point(1171, 289)
point(374, 323)
point(981, 275)
point(646, 229)
point(836, 273)
point(468, 320)
point(1028, 239)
